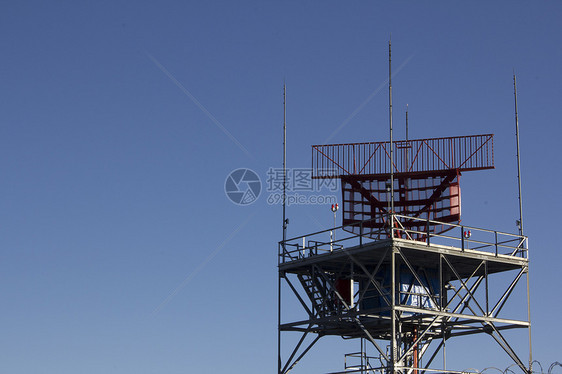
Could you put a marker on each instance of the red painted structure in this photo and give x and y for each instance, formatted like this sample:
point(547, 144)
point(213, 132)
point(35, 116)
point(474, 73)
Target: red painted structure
point(426, 175)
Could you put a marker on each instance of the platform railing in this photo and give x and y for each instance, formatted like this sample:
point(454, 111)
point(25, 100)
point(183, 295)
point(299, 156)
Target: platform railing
point(462, 237)
point(360, 362)
point(323, 242)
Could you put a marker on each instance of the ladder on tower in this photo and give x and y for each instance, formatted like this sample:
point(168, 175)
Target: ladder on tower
point(317, 291)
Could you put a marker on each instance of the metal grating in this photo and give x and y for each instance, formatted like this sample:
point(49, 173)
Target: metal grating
point(434, 196)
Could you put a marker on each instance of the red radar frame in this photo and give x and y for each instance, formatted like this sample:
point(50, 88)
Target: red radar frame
point(426, 175)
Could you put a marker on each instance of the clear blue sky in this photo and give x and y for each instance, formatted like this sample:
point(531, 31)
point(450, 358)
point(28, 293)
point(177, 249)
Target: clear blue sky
point(119, 251)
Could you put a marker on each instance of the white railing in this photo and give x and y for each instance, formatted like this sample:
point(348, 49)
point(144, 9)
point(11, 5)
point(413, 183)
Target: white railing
point(465, 238)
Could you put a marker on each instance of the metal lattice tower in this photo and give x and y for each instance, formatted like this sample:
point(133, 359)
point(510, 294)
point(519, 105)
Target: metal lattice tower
point(407, 280)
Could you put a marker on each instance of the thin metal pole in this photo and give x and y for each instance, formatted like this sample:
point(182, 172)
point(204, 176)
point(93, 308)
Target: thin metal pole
point(518, 157)
point(284, 161)
point(444, 349)
point(406, 123)
point(406, 165)
point(279, 363)
point(335, 223)
point(393, 341)
point(443, 302)
point(521, 219)
point(529, 317)
point(362, 354)
point(390, 119)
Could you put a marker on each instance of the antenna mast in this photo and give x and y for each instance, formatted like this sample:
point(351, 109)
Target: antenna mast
point(390, 116)
point(406, 125)
point(518, 157)
point(284, 160)
point(521, 218)
point(284, 225)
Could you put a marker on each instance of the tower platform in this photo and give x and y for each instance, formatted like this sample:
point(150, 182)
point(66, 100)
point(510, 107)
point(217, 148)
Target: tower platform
point(407, 287)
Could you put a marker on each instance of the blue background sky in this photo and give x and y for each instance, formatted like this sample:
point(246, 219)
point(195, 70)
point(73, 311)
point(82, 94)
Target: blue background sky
point(119, 251)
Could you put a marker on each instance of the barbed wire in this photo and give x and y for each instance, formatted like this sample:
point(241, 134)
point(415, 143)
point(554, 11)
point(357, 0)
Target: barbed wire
point(508, 369)
point(553, 365)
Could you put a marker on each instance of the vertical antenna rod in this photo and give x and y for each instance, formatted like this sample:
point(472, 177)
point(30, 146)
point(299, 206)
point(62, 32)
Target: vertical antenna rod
point(284, 160)
point(406, 125)
point(407, 165)
point(521, 220)
point(518, 157)
point(390, 119)
point(284, 227)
